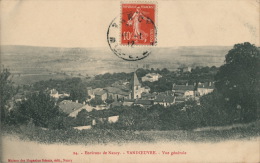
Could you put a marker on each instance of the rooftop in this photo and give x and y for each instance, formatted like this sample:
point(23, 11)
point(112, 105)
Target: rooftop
point(179, 99)
point(164, 98)
point(144, 94)
point(114, 104)
point(68, 106)
point(99, 93)
point(143, 102)
point(183, 87)
point(208, 85)
point(129, 100)
point(168, 93)
point(96, 90)
point(153, 74)
point(116, 90)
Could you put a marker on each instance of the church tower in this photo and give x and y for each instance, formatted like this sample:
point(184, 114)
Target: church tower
point(136, 87)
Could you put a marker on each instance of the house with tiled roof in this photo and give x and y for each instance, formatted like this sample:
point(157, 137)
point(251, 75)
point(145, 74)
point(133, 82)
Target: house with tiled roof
point(168, 93)
point(151, 77)
point(68, 106)
point(148, 96)
point(54, 93)
point(117, 94)
point(184, 90)
point(113, 119)
point(101, 95)
point(143, 103)
point(164, 99)
point(88, 108)
point(180, 99)
point(94, 91)
point(128, 102)
point(122, 84)
point(205, 88)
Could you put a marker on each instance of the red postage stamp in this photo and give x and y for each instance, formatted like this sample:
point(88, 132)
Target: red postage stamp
point(138, 24)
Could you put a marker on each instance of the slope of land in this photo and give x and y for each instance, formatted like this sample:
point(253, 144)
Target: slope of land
point(29, 64)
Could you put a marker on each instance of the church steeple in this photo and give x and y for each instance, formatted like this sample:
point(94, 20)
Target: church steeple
point(136, 81)
point(136, 87)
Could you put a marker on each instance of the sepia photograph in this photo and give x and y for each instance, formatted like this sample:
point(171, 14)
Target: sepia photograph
point(100, 81)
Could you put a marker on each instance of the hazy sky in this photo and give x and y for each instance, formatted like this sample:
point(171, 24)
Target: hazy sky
point(78, 23)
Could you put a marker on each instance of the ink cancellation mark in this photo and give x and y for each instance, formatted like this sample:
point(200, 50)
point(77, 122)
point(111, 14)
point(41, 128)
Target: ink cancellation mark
point(133, 35)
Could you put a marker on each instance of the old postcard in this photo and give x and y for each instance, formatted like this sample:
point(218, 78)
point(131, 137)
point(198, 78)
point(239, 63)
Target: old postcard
point(129, 81)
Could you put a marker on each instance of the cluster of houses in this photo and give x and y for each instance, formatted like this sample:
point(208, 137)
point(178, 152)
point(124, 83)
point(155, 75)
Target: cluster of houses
point(125, 93)
point(128, 93)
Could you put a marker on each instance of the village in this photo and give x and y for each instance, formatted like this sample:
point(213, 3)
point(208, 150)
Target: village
point(129, 93)
point(120, 105)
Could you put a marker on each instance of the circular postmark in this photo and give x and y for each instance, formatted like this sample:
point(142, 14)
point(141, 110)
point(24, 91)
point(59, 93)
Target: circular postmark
point(131, 36)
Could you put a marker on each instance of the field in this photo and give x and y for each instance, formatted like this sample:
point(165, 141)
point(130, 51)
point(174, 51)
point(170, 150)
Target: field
point(29, 64)
point(234, 145)
point(104, 136)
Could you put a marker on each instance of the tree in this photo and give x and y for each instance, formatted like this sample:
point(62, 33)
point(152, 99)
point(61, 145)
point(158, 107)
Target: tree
point(141, 72)
point(164, 71)
point(83, 118)
point(95, 102)
point(215, 111)
point(77, 91)
point(109, 100)
point(40, 108)
point(6, 92)
point(238, 80)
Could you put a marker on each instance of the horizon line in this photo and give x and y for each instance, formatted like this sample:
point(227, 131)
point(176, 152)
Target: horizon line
point(108, 47)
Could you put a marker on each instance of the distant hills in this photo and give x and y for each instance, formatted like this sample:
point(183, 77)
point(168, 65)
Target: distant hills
point(158, 54)
point(91, 61)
